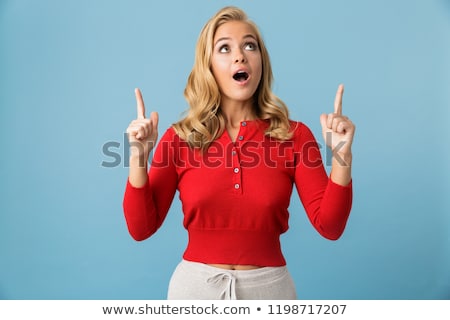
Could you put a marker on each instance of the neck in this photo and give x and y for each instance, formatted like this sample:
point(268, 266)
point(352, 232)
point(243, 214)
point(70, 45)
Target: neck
point(236, 111)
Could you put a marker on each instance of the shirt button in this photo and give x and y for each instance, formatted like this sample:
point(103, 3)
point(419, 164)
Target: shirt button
point(236, 170)
point(244, 123)
point(241, 138)
point(237, 186)
point(233, 153)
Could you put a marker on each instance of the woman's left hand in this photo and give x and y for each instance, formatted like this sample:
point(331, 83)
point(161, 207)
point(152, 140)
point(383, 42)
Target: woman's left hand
point(337, 129)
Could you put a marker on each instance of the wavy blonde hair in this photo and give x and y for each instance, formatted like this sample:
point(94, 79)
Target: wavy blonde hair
point(204, 122)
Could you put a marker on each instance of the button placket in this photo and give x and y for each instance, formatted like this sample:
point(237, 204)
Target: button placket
point(237, 170)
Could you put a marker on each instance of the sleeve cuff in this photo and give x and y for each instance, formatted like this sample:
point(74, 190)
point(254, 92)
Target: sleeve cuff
point(336, 185)
point(130, 186)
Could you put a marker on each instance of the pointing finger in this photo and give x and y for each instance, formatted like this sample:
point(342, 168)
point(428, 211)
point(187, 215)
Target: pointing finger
point(140, 104)
point(338, 100)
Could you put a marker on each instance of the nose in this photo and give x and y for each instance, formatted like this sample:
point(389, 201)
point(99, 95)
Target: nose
point(240, 57)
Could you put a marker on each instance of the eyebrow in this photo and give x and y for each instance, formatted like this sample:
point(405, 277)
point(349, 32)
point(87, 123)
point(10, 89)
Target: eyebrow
point(228, 38)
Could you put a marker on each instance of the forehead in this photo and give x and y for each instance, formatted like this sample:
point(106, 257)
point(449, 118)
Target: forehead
point(234, 29)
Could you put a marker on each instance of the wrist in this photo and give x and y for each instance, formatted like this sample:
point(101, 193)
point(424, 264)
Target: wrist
point(341, 170)
point(342, 159)
point(138, 161)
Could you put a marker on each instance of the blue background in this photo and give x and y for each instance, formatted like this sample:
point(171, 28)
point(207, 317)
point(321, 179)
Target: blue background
point(67, 74)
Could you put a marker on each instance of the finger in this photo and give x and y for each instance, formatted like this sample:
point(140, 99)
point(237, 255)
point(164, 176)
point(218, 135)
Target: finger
point(330, 120)
point(141, 133)
point(339, 126)
point(338, 100)
point(132, 132)
point(139, 128)
point(348, 127)
point(140, 104)
point(323, 121)
point(337, 123)
point(343, 126)
point(154, 117)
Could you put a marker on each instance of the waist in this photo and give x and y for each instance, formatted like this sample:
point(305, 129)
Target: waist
point(233, 266)
point(244, 248)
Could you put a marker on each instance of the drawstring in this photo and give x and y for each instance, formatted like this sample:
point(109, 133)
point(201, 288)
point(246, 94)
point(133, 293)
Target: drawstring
point(229, 292)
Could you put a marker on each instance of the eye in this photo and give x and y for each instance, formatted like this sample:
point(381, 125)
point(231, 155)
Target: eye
point(224, 49)
point(251, 46)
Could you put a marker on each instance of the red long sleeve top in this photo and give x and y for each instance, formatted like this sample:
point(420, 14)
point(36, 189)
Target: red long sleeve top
point(235, 196)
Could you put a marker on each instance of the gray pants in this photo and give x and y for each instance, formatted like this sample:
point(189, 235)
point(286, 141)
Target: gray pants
point(198, 281)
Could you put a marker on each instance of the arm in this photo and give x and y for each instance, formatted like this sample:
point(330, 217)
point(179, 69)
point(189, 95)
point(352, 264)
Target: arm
point(146, 207)
point(328, 200)
point(327, 203)
point(148, 195)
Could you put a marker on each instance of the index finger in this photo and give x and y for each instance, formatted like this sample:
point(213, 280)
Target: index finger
point(338, 100)
point(140, 104)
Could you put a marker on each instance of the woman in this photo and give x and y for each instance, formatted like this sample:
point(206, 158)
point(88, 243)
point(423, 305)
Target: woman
point(234, 159)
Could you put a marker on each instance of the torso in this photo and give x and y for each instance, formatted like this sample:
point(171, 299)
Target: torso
point(266, 168)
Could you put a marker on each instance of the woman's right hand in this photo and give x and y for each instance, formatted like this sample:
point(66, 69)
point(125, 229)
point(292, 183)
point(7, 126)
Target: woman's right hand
point(142, 132)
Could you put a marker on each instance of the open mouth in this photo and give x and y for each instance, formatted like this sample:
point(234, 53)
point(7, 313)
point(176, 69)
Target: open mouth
point(240, 76)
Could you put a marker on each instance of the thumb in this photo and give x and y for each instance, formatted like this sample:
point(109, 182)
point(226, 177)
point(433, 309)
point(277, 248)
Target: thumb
point(323, 121)
point(154, 117)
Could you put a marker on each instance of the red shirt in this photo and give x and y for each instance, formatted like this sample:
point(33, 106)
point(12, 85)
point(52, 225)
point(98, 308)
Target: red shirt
point(235, 196)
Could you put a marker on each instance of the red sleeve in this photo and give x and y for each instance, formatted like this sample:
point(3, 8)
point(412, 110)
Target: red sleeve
point(146, 208)
point(326, 203)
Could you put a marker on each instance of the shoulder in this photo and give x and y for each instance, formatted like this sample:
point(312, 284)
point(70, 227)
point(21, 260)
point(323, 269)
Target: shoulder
point(170, 135)
point(169, 145)
point(302, 136)
point(299, 129)
point(170, 139)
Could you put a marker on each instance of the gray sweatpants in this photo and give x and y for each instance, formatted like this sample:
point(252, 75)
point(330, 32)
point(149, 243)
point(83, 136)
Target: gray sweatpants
point(198, 281)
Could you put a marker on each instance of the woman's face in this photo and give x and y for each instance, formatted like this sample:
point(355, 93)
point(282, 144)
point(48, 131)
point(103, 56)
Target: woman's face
point(236, 61)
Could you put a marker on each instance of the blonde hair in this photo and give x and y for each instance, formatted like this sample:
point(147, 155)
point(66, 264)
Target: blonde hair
point(203, 122)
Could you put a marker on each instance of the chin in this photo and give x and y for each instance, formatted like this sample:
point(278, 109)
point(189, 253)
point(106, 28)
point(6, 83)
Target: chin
point(239, 95)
